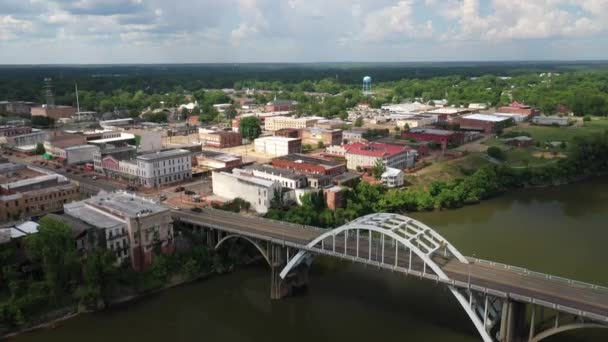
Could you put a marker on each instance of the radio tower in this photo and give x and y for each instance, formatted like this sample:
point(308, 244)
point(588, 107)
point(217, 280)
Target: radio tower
point(48, 92)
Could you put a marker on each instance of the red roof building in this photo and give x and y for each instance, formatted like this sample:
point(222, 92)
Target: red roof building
point(362, 155)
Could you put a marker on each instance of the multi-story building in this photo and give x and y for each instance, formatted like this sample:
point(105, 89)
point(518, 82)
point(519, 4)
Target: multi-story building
point(16, 107)
point(278, 146)
point(135, 228)
point(484, 122)
point(217, 160)
point(287, 178)
point(55, 144)
point(276, 123)
point(280, 105)
point(29, 139)
point(220, 139)
point(440, 136)
point(242, 184)
point(365, 155)
point(524, 111)
point(393, 178)
point(309, 164)
point(77, 154)
point(288, 133)
point(327, 137)
point(124, 152)
point(416, 121)
point(160, 168)
point(54, 112)
point(354, 135)
point(26, 191)
point(9, 131)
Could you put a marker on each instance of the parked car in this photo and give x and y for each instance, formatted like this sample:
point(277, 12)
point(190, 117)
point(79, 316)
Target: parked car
point(197, 210)
point(94, 177)
point(179, 188)
point(163, 197)
point(189, 192)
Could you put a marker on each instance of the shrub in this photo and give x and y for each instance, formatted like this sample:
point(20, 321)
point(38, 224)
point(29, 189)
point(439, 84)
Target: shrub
point(496, 153)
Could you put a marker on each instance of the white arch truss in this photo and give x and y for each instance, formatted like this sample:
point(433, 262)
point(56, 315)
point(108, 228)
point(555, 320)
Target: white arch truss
point(414, 235)
point(253, 242)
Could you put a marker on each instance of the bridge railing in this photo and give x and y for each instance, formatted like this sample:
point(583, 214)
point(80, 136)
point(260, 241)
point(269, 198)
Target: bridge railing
point(283, 223)
point(428, 276)
point(571, 282)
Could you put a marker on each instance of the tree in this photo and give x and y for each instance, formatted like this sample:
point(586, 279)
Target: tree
point(40, 150)
point(320, 144)
point(230, 112)
point(379, 168)
point(54, 249)
point(359, 122)
point(496, 152)
point(42, 121)
point(250, 127)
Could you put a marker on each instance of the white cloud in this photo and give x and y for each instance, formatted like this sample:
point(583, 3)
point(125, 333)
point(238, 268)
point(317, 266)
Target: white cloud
point(11, 28)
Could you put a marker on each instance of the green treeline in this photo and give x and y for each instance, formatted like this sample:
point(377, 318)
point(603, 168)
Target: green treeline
point(589, 157)
point(581, 89)
point(44, 272)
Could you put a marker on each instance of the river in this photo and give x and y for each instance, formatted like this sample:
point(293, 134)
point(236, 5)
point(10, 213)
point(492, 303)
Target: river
point(561, 230)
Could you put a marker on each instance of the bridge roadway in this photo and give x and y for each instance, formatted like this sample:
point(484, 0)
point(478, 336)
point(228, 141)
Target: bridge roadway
point(513, 281)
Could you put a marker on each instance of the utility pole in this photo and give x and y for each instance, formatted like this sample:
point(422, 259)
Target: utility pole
point(77, 101)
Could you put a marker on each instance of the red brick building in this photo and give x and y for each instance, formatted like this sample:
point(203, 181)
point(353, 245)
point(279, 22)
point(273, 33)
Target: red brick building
point(440, 136)
point(309, 164)
point(56, 113)
point(221, 139)
point(280, 105)
point(334, 197)
point(328, 137)
point(518, 108)
point(9, 131)
point(288, 133)
point(484, 123)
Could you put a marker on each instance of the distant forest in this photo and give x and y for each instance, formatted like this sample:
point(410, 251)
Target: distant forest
point(25, 82)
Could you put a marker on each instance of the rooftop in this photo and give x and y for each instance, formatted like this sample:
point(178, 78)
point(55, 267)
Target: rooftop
point(78, 226)
point(225, 157)
point(277, 172)
point(276, 139)
point(305, 159)
point(123, 137)
point(246, 177)
point(486, 117)
point(391, 172)
point(164, 154)
point(80, 147)
point(433, 131)
point(374, 149)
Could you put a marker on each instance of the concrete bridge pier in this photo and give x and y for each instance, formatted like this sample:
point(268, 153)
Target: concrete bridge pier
point(298, 278)
point(513, 322)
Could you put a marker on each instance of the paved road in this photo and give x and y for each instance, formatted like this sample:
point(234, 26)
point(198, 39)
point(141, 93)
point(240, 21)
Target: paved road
point(513, 281)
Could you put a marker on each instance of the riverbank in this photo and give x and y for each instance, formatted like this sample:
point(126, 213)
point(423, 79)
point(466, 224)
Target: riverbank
point(55, 317)
point(557, 230)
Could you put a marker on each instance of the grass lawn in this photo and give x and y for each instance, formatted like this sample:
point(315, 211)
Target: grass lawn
point(447, 170)
point(548, 133)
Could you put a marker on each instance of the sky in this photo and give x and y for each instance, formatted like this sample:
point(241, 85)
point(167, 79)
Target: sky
point(211, 31)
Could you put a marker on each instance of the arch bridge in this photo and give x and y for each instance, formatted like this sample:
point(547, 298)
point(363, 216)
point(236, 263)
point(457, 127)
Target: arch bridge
point(504, 303)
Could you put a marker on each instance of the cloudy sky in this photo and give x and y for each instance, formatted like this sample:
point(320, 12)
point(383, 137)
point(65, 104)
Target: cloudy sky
point(175, 31)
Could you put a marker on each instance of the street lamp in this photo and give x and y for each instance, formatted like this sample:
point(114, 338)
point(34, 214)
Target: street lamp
point(469, 267)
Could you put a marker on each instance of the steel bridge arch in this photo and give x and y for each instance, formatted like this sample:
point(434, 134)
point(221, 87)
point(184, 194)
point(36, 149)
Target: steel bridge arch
point(253, 242)
point(554, 331)
point(422, 240)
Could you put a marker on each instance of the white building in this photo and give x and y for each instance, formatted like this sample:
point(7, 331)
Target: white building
point(241, 184)
point(287, 179)
point(128, 167)
point(551, 120)
point(276, 123)
point(416, 121)
point(278, 146)
point(151, 141)
point(393, 178)
point(79, 154)
point(156, 169)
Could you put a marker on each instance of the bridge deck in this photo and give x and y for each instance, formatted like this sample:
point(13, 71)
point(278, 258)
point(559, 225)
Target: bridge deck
point(509, 280)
